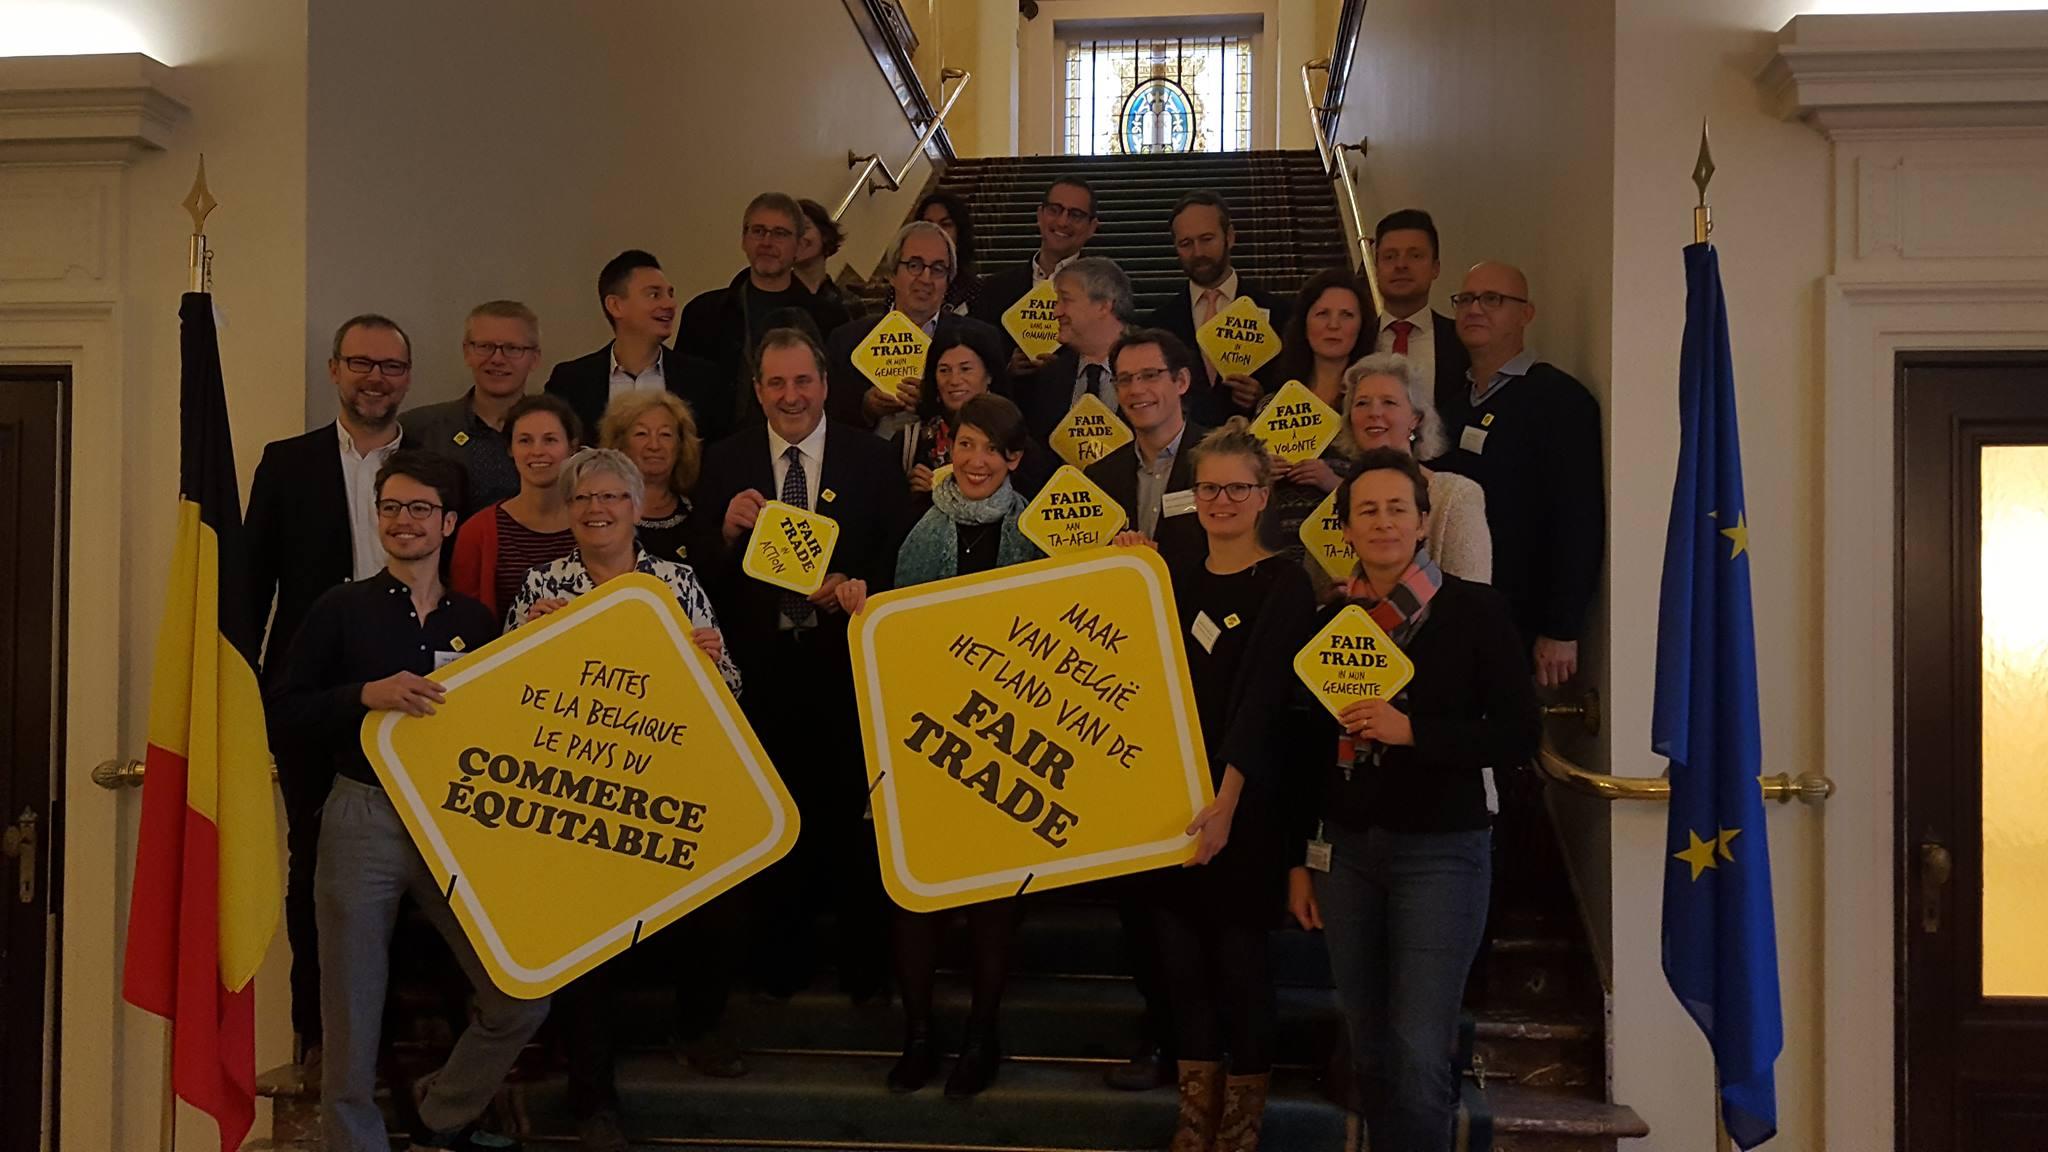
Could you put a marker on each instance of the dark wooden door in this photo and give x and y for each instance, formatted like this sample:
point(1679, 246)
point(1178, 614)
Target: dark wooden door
point(1973, 751)
point(31, 676)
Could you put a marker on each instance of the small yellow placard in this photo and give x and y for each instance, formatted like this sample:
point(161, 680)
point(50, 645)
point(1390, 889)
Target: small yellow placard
point(1239, 339)
point(1352, 659)
point(1090, 432)
point(588, 780)
point(892, 353)
point(1071, 514)
point(1323, 535)
point(1296, 425)
point(1029, 322)
point(790, 547)
point(1028, 728)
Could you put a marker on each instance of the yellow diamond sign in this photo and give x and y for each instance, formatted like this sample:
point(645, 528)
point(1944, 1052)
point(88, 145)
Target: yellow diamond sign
point(1029, 321)
point(1323, 535)
point(892, 353)
point(1296, 425)
point(1352, 659)
point(790, 547)
point(1090, 432)
point(1071, 514)
point(1028, 728)
point(588, 780)
point(1239, 339)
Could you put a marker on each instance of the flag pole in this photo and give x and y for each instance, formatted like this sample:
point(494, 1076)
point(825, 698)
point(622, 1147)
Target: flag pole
point(167, 1133)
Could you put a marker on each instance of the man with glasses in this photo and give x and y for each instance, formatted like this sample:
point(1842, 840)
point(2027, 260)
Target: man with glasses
point(500, 345)
point(1404, 255)
point(365, 646)
point(1066, 223)
point(1530, 435)
point(920, 267)
point(310, 527)
point(640, 305)
point(724, 324)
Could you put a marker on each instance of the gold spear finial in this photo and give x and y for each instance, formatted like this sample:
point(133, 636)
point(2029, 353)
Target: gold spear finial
point(1702, 174)
point(199, 202)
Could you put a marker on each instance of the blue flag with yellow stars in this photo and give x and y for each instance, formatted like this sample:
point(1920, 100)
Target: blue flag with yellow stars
point(1720, 939)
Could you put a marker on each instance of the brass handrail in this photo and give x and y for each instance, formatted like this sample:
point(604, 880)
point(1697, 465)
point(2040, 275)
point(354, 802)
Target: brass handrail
point(1808, 787)
point(1334, 164)
point(891, 181)
point(113, 774)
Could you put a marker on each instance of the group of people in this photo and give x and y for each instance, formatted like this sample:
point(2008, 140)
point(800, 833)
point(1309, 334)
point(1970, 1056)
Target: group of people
point(1468, 481)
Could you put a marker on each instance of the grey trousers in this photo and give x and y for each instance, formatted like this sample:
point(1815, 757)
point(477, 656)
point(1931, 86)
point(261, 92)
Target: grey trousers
point(367, 865)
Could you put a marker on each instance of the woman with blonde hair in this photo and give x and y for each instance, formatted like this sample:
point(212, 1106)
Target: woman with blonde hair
point(658, 433)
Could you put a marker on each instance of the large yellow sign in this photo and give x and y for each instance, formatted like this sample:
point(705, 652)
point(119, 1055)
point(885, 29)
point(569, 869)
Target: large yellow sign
point(1028, 728)
point(1352, 659)
point(892, 353)
point(588, 780)
point(1323, 535)
point(1090, 432)
point(1296, 425)
point(791, 547)
point(1029, 322)
point(1071, 514)
point(1239, 339)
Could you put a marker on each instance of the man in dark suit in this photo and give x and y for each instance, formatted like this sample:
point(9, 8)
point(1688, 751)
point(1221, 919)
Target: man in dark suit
point(724, 325)
point(792, 652)
point(312, 525)
point(1094, 310)
point(920, 267)
point(1405, 260)
point(1203, 237)
point(1066, 223)
point(640, 305)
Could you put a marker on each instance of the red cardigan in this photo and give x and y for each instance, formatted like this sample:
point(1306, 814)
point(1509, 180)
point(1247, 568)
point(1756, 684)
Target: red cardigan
point(474, 572)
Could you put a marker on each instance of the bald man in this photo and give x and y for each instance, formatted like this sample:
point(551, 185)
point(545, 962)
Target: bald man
point(1530, 435)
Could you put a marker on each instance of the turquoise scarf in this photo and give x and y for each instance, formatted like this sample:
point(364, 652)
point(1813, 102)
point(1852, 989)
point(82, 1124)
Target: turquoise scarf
point(932, 550)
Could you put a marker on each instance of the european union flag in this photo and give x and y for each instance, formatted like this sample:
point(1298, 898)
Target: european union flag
point(1720, 939)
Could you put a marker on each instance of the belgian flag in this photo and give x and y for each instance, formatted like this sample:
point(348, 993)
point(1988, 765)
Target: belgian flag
point(206, 894)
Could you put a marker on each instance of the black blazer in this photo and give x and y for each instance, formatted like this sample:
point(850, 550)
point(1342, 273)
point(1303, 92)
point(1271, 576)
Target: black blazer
point(869, 502)
point(1000, 292)
point(845, 384)
point(1208, 403)
point(298, 538)
point(1047, 395)
point(715, 325)
point(586, 384)
point(1180, 538)
point(1453, 361)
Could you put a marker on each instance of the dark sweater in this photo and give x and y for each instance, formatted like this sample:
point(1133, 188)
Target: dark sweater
point(1545, 496)
point(1472, 705)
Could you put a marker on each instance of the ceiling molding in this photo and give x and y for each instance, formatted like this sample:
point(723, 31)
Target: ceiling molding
point(96, 108)
point(1858, 75)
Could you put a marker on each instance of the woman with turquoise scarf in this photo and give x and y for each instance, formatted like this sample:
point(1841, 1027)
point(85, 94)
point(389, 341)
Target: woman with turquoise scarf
point(972, 527)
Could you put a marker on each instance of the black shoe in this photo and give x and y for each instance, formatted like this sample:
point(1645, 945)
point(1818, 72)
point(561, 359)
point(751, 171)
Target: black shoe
point(1148, 1068)
point(470, 1139)
point(976, 1068)
point(915, 1067)
point(714, 1054)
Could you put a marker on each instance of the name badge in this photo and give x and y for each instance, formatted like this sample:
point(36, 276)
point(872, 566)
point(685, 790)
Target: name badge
point(443, 659)
point(1205, 631)
point(1473, 440)
point(1177, 503)
point(1318, 856)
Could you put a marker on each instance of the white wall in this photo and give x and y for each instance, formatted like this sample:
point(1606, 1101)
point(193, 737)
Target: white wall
point(460, 152)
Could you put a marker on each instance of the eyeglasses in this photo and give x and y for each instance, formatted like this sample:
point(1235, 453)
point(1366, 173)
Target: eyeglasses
point(364, 365)
point(1073, 215)
point(416, 509)
point(764, 232)
point(585, 499)
point(939, 269)
point(1236, 493)
point(1142, 376)
point(1491, 301)
point(488, 349)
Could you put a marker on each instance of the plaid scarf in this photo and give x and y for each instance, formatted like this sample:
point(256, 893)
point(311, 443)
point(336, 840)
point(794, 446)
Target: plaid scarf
point(1407, 606)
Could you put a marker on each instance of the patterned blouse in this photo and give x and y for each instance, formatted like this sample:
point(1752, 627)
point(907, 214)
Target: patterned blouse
point(567, 579)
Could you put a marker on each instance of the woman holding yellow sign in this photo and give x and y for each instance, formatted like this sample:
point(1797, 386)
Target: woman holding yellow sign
point(1399, 854)
point(971, 528)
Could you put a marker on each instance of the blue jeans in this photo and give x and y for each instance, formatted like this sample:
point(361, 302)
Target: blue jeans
point(367, 865)
point(1403, 916)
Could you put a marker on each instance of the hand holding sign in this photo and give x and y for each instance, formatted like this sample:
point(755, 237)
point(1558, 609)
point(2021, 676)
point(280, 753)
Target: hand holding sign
point(1090, 432)
point(1030, 322)
point(1239, 339)
point(1352, 659)
point(1296, 425)
point(790, 547)
point(1070, 514)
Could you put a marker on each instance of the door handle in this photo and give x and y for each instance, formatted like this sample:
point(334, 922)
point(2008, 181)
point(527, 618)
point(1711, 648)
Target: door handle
point(18, 843)
point(1935, 866)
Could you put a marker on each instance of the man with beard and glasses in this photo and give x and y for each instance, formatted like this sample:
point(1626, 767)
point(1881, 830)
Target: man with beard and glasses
point(312, 525)
point(1203, 239)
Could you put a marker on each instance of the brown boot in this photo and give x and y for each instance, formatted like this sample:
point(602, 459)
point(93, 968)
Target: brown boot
point(1244, 1110)
point(1201, 1105)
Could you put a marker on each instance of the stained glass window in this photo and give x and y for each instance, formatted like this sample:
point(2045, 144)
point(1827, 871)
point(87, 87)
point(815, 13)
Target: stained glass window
point(1159, 94)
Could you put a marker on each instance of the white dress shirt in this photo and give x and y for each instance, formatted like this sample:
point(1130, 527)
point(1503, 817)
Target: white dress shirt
point(1421, 343)
point(649, 380)
point(359, 478)
point(1039, 255)
point(812, 451)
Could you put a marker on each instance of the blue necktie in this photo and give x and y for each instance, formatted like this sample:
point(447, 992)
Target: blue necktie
point(796, 493)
